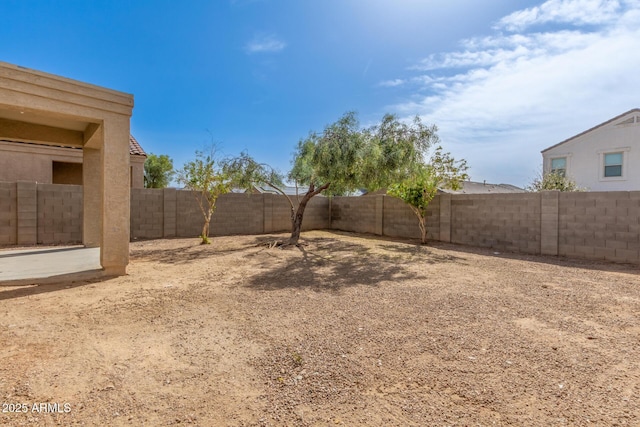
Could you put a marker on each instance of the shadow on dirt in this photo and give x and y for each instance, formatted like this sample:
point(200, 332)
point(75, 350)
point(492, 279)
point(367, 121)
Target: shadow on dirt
point(20, 291)
point(182, 255)
point(331, 264)
point(421, 253)
point(557, 260)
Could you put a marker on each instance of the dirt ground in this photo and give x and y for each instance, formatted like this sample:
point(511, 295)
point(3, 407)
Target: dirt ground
point(347, 330)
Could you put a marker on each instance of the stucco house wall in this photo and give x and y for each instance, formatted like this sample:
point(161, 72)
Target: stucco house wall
point(585, 154)
point(46, 164)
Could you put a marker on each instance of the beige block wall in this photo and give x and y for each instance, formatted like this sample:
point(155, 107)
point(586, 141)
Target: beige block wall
point(147, 213)
point(237, 214)
point(400, 221)
point(509, 222)
point(357, 214)
point(188, 217)
point(584, 225)
point(176, 213)
point(382, 215)
point(59, 214)
point(316, 215)
point(8, 213)
point(600, 226)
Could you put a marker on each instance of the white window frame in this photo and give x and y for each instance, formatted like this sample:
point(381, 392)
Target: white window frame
point(625, 164)
point(566, 163)
point(567, 156)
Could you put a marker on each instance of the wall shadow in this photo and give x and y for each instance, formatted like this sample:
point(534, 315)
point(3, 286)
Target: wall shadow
point(26, 290)
point(559, 260)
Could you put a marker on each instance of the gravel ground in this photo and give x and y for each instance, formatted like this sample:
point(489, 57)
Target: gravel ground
point(345, 330)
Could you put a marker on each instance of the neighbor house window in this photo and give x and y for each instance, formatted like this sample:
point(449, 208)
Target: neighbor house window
point(559, 166)
point(612, 164)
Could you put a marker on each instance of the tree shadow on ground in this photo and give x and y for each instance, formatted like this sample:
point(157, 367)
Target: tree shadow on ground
point(332, 264)
point(182, 255)
point(421, 253)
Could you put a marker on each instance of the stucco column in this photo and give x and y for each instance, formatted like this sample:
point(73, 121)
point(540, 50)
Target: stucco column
point(92, 196)
point(116, 198)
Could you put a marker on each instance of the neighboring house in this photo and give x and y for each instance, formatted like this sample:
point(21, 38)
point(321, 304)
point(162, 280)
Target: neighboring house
point(603, 158)
point(472, 187)
point(469, 187)
point(47, 164)
point(289, 190)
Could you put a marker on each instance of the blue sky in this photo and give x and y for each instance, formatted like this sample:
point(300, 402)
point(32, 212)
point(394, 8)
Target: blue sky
point(502, 79)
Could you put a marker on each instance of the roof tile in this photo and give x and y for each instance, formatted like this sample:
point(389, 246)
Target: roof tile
point(135, 147)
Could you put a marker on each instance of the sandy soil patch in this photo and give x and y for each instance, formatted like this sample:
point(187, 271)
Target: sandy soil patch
point(346, 330)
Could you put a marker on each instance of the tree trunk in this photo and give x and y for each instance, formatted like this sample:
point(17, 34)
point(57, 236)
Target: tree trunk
point(423, 230)
point(422, 223)
point(296, 220)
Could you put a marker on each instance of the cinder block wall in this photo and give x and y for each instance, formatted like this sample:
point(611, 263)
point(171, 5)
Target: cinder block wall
point(400, 221)
point(237, 214)
point(59, 214)
point(382, 215)
point(147, 213)
point(600, 225)
point(173, 213)
point(188, 215)
point(509, 222)
point(8, 213)
point(357, 214)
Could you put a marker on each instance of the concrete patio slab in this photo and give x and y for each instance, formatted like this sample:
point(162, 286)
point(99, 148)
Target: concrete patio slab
point(48, 264)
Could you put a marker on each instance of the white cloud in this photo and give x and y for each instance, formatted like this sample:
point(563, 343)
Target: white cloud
point(268, 43)
point(503, 98)
point(392, 83)
point(577, 12)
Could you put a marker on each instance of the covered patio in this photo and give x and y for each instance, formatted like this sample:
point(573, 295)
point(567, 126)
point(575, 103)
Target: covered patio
point(41, 108)
point(44, 265)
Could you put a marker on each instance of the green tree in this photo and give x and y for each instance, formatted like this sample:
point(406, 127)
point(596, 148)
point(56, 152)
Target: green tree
point(420, 186)
point(158, 171)
point(553, 181)
point(341, 159)
point(205, 177)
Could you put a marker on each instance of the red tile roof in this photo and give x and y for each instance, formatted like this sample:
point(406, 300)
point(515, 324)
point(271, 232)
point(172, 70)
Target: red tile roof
point(135, 147)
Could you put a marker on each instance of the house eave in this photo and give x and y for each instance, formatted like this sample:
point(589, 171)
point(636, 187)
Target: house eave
point(633, 110)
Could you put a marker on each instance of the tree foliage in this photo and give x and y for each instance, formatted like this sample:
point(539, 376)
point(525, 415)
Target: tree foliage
point(205, 176)
point(553, 181)
point(420, 186)
point(343, 158)
point(158, 171)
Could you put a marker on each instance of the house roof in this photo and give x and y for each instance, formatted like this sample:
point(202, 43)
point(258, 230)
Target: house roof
point(469, 187)
point(135, 148)
point(633, 110)
point(472, 187)
point(288, 190)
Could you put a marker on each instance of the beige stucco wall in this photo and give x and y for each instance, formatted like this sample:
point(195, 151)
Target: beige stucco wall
point(33, 162)
point(137, 171)
point(585, 155)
